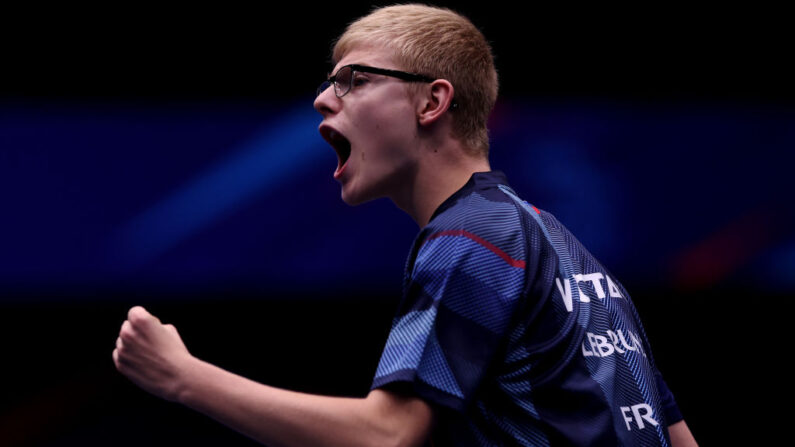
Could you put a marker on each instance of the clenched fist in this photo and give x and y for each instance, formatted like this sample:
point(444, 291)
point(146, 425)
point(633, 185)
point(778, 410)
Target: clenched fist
point(151, 354)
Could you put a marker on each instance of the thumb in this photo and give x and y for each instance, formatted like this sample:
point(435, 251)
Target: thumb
point(138, 315)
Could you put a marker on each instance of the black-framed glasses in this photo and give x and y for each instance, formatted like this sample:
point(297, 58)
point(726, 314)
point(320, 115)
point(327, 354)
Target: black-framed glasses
point(344, 78)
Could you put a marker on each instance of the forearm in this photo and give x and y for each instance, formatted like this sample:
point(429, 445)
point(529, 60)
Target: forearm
point(279, 417)
point(680, 435)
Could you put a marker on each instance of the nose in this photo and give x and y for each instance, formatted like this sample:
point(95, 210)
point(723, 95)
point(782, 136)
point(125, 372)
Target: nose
point(327, 102)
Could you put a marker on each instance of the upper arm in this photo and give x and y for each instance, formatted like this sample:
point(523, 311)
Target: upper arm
point(457, 307)
point(406, 418)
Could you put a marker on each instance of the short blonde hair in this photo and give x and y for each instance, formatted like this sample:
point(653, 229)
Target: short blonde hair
point(440, 43)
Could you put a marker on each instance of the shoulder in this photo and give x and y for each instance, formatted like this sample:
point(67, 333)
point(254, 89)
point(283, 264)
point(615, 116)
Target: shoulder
point(484, 220)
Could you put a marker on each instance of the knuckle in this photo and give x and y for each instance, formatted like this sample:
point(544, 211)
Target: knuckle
point(136, 315)
point(127, 333)
point(116, 359)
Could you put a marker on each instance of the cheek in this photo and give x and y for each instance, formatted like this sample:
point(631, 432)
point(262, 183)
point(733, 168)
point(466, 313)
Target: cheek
point(386, 131)
point(383, 114)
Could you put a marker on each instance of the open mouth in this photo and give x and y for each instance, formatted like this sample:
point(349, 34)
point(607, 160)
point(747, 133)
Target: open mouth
point(340, 144)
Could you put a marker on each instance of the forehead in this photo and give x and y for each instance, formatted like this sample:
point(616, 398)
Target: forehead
point(370, 56)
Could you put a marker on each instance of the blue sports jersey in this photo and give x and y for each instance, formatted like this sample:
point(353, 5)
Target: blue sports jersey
point(518, 335)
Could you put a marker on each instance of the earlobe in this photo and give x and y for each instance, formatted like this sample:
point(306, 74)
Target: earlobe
point(438, 100)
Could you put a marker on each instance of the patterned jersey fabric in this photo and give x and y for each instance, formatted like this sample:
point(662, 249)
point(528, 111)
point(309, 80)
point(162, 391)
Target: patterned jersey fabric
point(517, 335)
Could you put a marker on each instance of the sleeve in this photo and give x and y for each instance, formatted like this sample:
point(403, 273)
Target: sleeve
point(671, 409)
point(457, 307)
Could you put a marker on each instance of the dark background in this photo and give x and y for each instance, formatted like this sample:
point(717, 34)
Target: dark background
point(168, 157)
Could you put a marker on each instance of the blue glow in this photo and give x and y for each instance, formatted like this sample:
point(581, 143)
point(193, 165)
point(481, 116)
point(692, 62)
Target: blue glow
point(255, 168)
point(775, 271)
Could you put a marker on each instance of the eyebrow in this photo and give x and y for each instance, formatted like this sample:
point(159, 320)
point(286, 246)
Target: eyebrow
point(406, 76)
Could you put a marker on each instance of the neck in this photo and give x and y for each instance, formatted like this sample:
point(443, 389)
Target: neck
point(441, 172)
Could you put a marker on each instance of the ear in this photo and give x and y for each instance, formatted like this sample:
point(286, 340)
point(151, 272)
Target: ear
point(435, 102)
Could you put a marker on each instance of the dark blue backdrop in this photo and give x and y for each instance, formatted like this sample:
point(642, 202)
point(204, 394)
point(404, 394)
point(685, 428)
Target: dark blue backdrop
point(226, 195)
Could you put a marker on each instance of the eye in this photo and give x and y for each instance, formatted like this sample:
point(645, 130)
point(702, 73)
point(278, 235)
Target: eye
point(359, 80)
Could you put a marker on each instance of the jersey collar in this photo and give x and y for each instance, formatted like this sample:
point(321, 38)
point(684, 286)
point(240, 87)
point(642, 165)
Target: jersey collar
point(478, 181)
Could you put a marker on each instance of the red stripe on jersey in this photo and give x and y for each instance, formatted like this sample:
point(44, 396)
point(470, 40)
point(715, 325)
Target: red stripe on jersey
point(493, 248)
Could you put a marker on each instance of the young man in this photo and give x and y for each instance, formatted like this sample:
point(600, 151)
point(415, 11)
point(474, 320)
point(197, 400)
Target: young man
point(509, 332)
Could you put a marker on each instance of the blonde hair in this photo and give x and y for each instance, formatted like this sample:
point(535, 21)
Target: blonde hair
point(440, 43)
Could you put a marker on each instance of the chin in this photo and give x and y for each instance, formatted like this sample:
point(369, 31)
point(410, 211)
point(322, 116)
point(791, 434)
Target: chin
point(357, 198)
point(350, 201)
point(353, 200)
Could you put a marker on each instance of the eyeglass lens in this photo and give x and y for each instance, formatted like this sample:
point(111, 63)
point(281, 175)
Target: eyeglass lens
point(342, 81)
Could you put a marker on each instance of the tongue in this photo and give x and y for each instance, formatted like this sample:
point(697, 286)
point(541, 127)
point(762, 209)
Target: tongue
point(340, 169)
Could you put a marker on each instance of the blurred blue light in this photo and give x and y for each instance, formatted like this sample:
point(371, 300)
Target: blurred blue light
point(257, 167)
